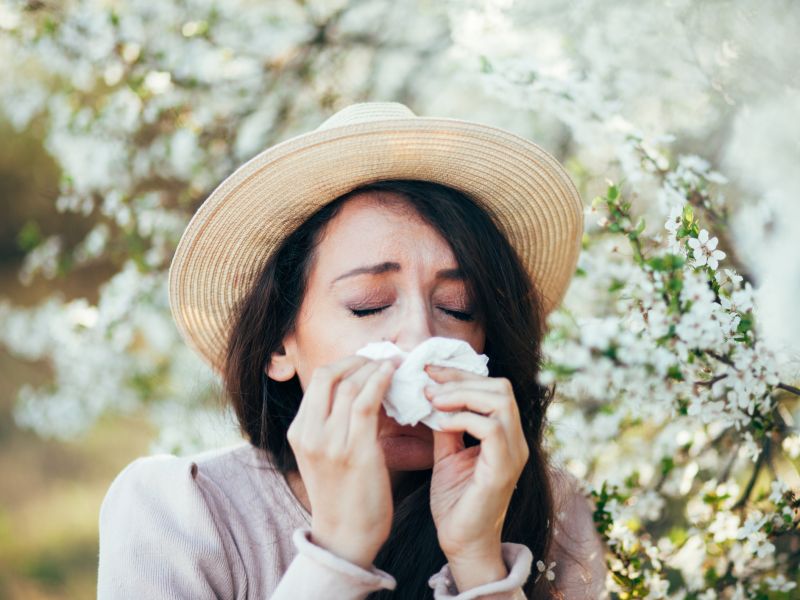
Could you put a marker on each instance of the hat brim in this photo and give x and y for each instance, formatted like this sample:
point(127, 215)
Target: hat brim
point(233, 233)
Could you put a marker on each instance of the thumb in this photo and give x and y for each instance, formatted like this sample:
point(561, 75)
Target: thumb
point(446, 443)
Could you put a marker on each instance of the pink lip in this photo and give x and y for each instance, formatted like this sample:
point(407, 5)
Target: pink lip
point(406, 432)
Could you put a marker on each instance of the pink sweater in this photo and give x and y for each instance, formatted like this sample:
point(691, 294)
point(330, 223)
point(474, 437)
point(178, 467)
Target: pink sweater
point(225, 524)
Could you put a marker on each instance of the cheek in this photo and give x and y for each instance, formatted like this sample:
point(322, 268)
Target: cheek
point(324, 340)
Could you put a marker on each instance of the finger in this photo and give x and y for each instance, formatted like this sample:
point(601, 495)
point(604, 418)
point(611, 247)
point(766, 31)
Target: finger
point(496, 385)
point(441, 374)
point(316, 404)
point(495, 390)
point(494, 444)
point(318, 395)
point(446, 443)
point(346, 391)
point(366, 406)
point(477, 401)
point(486, 404)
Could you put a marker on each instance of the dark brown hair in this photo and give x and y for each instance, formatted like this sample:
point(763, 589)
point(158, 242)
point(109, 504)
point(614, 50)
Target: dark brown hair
point(508, 306)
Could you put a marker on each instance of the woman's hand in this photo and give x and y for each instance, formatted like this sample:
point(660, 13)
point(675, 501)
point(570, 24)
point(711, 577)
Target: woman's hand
point(471, 487)
point(335, 440)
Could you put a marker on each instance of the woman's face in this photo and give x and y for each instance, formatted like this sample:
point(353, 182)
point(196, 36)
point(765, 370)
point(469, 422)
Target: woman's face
point(379, 256)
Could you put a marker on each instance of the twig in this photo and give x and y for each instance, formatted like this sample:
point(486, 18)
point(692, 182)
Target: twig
point(722, 359)
point(726, 471)
point(789, 388)
point(756, 470)
point(712, 381)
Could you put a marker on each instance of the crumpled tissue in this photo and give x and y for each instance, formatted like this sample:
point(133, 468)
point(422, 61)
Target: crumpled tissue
point(405, 400)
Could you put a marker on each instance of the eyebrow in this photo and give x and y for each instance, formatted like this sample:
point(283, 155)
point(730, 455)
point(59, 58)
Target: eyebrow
point(386, 267)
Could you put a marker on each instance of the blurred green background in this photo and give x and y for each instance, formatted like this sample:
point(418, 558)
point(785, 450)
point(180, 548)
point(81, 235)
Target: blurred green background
point(51, 490)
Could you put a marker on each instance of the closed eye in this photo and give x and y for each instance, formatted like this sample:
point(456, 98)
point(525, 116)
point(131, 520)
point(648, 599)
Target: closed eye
point(366, 312)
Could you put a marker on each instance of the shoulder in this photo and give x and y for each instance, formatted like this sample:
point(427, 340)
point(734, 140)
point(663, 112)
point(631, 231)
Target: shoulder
point(157, 486)
point(171, 484)
point(577, 548)
point(161, 529)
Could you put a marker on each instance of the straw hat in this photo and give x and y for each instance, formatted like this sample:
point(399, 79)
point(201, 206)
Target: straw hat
point(244, 220)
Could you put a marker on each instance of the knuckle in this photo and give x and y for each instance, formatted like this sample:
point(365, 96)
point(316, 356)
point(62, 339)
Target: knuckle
point(526, 454)
point(313, 450)
point(322, 374)
point(291, 436)
point(334, 454)
point(293, 433)
point(505, 385)
point(348, 388)
point(361, 408)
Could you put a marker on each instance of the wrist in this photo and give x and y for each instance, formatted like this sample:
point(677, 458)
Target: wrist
point(353, 553)
point(472, 570)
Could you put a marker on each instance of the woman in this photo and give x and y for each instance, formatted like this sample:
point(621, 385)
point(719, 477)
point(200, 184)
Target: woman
point(377, 226)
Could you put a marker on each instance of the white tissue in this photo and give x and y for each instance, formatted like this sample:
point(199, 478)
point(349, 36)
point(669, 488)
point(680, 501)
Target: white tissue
point(405, 401)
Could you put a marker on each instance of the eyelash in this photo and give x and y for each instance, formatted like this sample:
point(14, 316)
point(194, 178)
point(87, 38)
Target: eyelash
point(366, 312)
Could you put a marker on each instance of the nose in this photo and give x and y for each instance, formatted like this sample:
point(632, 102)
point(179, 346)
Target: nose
point(414, 326)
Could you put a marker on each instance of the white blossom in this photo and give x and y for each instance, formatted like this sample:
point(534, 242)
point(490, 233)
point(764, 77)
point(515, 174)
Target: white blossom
point(547, 570)
point(704, 250)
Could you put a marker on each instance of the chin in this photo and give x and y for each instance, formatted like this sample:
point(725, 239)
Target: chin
point(407, 453)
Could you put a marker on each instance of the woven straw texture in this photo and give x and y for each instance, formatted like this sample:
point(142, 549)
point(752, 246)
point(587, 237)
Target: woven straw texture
point(236, 229)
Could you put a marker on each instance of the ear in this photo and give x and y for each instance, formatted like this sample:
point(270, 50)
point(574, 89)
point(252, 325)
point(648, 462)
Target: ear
point(281, 365)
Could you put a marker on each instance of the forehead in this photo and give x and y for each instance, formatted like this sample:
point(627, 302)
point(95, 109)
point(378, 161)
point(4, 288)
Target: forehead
point(387, 227)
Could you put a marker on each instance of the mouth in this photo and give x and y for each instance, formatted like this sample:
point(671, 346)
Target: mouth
point(419, 432)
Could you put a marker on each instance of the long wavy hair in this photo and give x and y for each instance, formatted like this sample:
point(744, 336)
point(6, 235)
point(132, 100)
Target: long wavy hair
point(507, 304)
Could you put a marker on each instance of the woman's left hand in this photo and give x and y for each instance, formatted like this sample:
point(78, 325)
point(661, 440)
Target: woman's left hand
point(471, 487)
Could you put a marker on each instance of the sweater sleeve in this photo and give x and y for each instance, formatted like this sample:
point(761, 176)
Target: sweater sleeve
point(159, 538)
point(318, 573)
point(517, 558)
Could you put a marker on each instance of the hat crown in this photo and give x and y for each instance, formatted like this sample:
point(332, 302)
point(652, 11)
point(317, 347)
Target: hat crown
point(363, 112)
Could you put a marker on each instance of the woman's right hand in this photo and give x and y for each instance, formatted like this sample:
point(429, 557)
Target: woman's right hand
point(334, 437)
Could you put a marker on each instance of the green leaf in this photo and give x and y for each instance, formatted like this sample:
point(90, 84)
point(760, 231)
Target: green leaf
point(675, 284)
point(616, 284)
point(610, 352)
point(29, 236)
point(668, 262)
point(745, 324)
point(677, 535)
point(674, 372)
